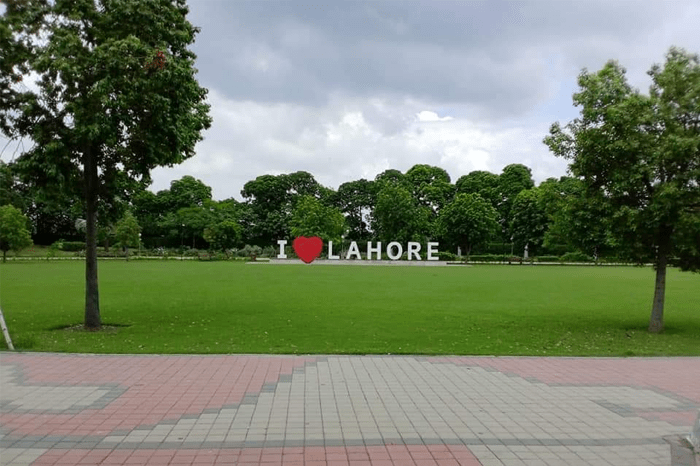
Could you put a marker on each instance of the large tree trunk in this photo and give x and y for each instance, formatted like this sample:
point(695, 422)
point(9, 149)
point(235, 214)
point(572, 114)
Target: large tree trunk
point(656, 323)
point(92, 298)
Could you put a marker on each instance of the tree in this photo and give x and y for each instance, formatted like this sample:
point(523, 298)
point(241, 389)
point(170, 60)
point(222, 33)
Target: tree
point(398, 217)
point(312, 218)
point(11, 190)
point(355, 200)
point(575, 219)
point(480, 182)
point(127, 232)
point(513, 179)
point(225, 234)
point(14, 234)
point(529, 221)
point(188, 192)
point(468, 221)
point(99, 116)
point(640, 156)
point(431, 186)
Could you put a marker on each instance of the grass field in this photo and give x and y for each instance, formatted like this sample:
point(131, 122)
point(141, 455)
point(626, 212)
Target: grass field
point(229, 307)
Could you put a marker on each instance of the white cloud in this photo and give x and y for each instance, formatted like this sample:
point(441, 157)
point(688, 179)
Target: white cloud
point(338, 143)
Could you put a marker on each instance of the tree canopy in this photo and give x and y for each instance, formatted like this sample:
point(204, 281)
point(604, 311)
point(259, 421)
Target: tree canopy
point(100, 118)
point(639, 155)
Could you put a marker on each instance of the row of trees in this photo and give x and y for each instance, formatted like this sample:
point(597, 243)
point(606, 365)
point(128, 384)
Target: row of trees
point(419, 205)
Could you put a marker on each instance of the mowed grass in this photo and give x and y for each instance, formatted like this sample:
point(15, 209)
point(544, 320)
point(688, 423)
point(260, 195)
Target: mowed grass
point(228, 307)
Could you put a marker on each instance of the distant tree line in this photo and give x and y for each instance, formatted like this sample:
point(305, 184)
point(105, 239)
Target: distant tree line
point(481, 212)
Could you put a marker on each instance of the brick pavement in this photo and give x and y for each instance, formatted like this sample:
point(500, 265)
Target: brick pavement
point(61, 409)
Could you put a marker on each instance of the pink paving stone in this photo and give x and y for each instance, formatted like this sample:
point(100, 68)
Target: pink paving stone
point(679, 375)
point(148, 379)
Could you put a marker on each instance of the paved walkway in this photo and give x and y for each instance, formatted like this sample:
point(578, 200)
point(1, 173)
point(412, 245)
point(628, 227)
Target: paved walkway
point(342, 410)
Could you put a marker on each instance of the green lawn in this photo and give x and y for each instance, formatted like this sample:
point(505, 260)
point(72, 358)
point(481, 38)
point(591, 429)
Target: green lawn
point(230, 307)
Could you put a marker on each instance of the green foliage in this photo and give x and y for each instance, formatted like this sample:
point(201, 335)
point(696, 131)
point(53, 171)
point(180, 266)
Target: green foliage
point(225, 234)
point(638, 158)
point(14, 234)
point(468, 221)
point(312, 218)
point(398, 217)
point(356, 199)
point(448, 256)
point(99, 119)
point(528, 223)
point(480, 182)
point(547, 258)
point(489, 258)
point(576, 257)
point(513, 179)
point(187, 192)
point(127, 231)
point(248, 251)
point(430, 186)
point(71, 246)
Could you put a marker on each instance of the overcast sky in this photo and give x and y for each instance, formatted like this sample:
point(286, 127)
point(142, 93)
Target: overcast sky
point(345, 90)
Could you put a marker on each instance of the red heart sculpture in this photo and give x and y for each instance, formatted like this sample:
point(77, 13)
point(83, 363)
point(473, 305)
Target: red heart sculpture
point(307, 249)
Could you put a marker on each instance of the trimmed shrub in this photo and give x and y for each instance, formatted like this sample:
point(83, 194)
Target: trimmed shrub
point(448, 256)
point(575, 257)
point(547, 258)
point(72, 246)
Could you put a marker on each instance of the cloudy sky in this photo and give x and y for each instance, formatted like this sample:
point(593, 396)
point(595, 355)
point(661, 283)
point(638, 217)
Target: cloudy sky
point(346, 90)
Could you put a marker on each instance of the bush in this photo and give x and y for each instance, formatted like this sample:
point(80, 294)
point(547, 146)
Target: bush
point(270, 251)
point(575, 257)
point(547, 258)
point(191, 253)
point(71, 245)
point(448, 256)
point(488, 258)
point(249, 250)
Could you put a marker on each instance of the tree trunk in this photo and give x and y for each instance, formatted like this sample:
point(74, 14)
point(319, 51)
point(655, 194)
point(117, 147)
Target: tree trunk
point(127, 253)
point(656, 323)
point(92, 299)
point(4, 256)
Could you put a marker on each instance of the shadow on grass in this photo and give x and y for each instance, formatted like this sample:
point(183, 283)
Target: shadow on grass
point(107, 326)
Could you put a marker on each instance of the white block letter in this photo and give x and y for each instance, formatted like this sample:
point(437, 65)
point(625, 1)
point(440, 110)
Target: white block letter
point(413, 248)
point(432, 251)
point(370, 250)
point(398, 254)
point(282, 243)
point(330, 252)
point(353, 250)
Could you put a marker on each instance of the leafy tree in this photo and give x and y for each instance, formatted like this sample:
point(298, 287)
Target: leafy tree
point(99, 117)
point(14, 234)
point(391, 176)
point(225, 234)
point(480, 182)
point(187, 192)
point(513, 179)
point(127, 232)
point(12, 191)
point(355, 200)
point(639, 155)
point(267, 217)
point(431, 186)
point(398, 217)
point(312, 218)
point(575, 219)
point(468, 221)
point(529, 220)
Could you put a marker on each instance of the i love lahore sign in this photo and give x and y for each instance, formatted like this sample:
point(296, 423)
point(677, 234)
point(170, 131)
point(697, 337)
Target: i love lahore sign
point(308, 249)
